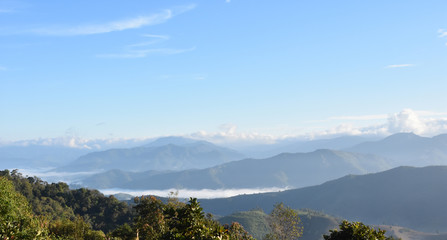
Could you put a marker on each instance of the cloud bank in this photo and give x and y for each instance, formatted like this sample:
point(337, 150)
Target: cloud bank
point(186, 193)
point(424, 123)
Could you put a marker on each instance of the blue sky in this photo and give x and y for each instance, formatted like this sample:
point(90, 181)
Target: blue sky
point(215, 68)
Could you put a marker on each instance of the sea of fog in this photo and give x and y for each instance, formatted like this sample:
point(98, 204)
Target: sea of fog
point(197, 193)
point(74, 178)
point(48, 175)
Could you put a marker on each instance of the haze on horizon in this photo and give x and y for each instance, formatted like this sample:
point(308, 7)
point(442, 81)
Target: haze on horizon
point(222, 71)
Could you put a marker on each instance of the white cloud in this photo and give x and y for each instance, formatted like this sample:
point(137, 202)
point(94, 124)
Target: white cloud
point(229, 136)
point(156, 36)
point(412, 121)
point(186, 193)
point(155, 39)
point(442, 33)
point(137, 51)
point(406, 121)
point(360, 117)
point(426, 123)
point(81, 143)
point(121, 25)
point(145, 52)
point(400, 65)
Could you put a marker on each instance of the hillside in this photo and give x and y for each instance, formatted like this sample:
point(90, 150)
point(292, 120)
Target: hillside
point(284, 170)
point(164, 154)
point(406, 196)
point(255, 222)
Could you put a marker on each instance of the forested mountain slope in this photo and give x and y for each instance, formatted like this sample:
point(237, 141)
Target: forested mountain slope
point(406, 196)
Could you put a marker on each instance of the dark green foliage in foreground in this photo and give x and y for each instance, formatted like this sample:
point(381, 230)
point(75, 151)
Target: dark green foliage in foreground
point(356, 231)
point(16, 218)
point(177, 220)
point(56, 201)
point(61, 213)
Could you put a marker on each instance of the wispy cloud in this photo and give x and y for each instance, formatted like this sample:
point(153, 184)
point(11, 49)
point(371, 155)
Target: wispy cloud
point(400, 65)
point(141, 50)
point(120, 25)
point(145, 52)
point(3, 68)
point(153, 40)
point(442, 33)
point(362, 117)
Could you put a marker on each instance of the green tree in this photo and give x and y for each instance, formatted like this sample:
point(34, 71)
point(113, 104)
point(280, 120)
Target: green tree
point(175, 220)
point(235, 231)
point(77, 229)
point(356, 231)
point(123, 232)
point(150, 221)
point(16, 218)
point(188, 221)
point(285, 224)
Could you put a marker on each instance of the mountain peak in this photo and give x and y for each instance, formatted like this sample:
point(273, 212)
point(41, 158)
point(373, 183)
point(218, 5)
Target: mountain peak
point(170, 140)
point(402, 137)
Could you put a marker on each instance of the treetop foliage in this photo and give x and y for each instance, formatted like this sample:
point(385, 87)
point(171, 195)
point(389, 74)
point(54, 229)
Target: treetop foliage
point(356, 231)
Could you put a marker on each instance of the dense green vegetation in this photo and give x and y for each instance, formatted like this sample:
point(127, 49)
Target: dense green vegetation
point(56, 201)
point(33, 209)
point(356, 231)
point(16, 219)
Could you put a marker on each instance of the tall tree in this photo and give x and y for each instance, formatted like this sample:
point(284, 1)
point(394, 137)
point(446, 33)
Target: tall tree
point(285, 224)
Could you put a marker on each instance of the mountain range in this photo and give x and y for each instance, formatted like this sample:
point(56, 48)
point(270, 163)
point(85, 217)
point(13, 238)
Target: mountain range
point(407, 149)
point(406, 196)
point(284, 170)
point(173, 153)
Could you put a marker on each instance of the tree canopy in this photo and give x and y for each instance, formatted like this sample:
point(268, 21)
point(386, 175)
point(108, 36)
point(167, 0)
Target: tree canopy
point(285, 224)
point(356, 231)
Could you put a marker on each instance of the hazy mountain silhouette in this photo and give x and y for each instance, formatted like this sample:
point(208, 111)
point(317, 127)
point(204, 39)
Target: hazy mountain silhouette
point(407, 149)
point(284, 170)
point(171, 153)
point(36, 156)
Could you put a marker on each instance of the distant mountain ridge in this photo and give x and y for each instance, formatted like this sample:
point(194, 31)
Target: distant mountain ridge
point(284, 170)
point(405, 196)
point(173, 153)
point(36, 156)
point(407, 149)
